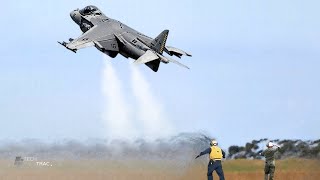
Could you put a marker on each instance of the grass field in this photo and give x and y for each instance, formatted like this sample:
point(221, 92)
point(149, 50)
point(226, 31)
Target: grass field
point(291, 169)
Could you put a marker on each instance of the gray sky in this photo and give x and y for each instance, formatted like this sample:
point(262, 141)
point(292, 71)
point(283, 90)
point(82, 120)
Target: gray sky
point(254, 71)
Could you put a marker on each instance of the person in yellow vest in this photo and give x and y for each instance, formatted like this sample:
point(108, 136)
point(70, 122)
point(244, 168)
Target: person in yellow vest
point(215, 156)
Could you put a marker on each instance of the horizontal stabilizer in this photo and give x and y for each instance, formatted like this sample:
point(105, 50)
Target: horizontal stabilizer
point(175, 51)
point(174, 61)
point(178, 63)
point(146, 57)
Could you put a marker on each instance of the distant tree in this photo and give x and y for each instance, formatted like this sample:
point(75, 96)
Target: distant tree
point(234, 150)
point(249, 147)
point(289, 148)
point(255, 147)
point(255, 142)
point(317, 141)
point(315, 151)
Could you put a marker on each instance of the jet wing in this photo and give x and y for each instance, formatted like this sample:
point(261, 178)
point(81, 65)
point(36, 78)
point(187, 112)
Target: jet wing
point(98, 36)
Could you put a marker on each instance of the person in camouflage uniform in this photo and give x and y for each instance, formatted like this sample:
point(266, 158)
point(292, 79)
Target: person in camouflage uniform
point(269, 154)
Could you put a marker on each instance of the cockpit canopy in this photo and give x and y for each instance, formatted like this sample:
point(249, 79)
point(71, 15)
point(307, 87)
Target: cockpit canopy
point(88, 10)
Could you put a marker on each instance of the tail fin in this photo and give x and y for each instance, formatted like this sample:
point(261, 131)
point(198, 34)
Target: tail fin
point(159, 43)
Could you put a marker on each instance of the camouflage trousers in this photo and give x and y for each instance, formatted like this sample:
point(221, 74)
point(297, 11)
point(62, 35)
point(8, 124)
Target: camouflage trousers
point(269, 169)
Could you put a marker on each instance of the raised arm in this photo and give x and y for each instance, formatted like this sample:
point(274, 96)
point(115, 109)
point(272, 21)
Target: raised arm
point(207, 151)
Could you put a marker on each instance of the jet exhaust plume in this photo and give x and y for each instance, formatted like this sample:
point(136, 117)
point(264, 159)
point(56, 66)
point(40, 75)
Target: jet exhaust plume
point(116, 115)
point(150, 110)
point(145, 119)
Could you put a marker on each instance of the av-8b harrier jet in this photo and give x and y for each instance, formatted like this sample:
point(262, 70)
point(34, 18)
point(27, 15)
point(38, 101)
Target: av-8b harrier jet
point(113, 37)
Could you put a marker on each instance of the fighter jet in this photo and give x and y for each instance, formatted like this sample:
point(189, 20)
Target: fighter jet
point(113, 37)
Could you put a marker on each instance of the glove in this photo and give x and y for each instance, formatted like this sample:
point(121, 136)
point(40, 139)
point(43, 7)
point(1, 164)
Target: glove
point(197, 156)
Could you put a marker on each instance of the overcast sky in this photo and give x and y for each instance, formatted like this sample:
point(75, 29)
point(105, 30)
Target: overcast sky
point(254, 71)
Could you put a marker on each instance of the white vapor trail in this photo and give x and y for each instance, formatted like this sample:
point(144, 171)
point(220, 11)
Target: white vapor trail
point(150, 111)
point(116, 116)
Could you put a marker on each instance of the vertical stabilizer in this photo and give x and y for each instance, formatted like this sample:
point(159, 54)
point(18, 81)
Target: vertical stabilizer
point(159, 43)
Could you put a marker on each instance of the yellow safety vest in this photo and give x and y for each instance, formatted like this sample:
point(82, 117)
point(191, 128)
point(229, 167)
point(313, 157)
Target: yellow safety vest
point(216, 153)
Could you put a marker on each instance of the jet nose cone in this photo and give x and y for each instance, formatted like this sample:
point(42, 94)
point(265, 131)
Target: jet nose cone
point(76, 16)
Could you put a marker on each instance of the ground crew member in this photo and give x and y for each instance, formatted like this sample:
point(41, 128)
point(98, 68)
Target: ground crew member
point(269, 154)
point(215, 156)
